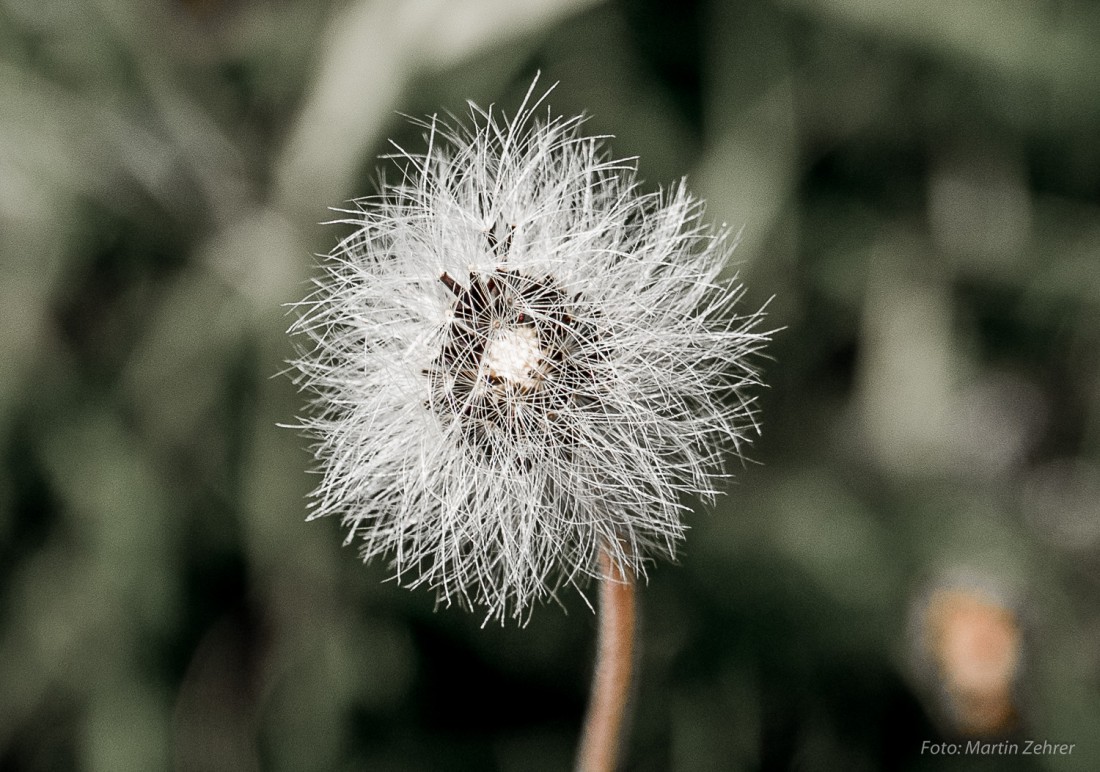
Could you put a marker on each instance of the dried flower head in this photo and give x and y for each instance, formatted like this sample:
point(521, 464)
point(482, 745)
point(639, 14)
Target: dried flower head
point(976, 643)
point(518, 359)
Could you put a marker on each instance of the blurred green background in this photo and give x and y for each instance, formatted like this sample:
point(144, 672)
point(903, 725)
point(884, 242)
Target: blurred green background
point(919, 187)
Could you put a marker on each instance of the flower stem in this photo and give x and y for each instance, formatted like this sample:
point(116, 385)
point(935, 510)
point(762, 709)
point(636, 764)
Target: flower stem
point(603, 732)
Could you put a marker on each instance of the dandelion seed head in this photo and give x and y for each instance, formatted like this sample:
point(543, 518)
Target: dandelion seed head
point(518, 358)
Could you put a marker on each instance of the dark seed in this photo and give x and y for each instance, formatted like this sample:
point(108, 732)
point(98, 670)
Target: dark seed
point(452, 285)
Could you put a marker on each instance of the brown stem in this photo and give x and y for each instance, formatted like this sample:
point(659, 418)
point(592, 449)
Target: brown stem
point(604, 724)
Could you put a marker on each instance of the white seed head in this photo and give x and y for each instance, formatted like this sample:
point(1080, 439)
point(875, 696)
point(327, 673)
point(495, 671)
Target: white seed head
point(518, 358)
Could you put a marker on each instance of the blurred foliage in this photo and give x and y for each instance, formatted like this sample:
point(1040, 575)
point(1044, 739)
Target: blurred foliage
point(919, 187)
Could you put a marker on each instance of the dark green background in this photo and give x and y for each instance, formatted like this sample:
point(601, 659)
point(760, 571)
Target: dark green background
point(919, 188)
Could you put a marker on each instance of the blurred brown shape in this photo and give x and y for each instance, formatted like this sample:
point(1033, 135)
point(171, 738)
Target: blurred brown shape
point(975, 641)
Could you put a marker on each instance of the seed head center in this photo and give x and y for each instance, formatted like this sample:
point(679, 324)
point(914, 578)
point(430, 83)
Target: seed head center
point(513, 355)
